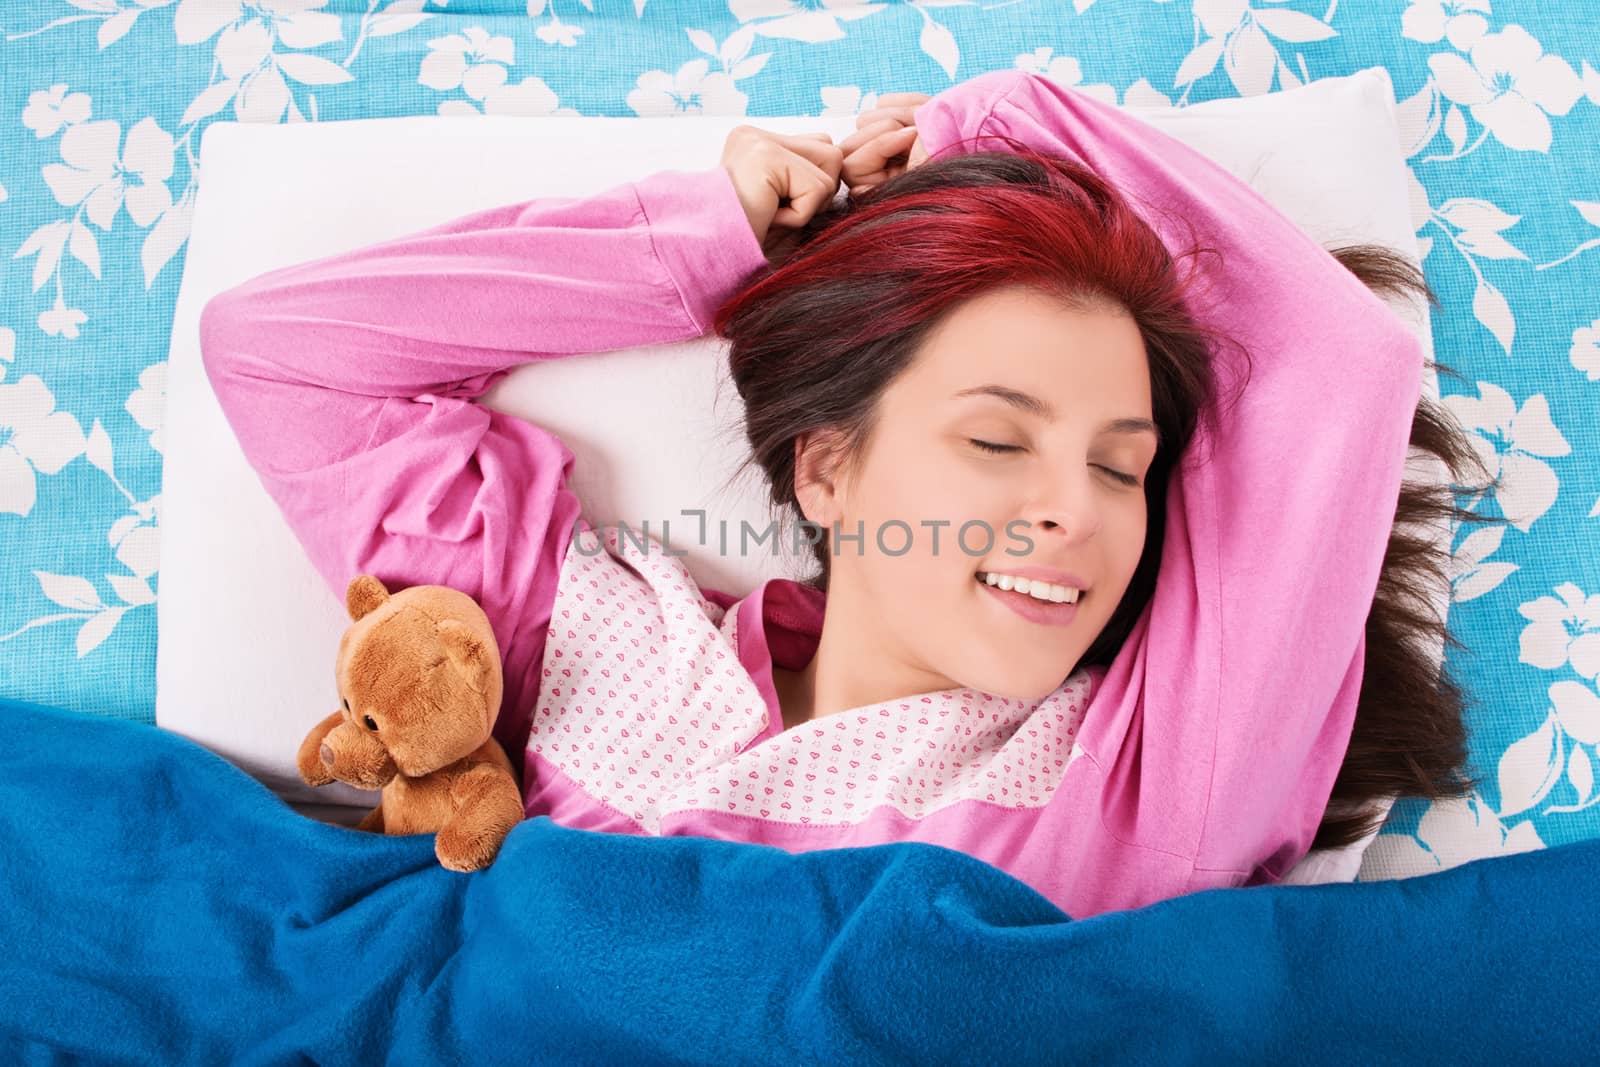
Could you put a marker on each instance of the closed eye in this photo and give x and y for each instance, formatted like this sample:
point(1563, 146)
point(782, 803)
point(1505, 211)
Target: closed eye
point(1125, 479)
point(990, 446)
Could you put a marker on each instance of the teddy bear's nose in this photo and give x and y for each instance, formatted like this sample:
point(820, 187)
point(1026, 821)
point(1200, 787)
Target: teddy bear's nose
point(327, 754)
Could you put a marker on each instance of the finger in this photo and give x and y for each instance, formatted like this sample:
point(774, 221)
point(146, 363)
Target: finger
point(809, 189)
point(871, 162)
point(904, 115)
point(866, 133)
point(901, 99)
point(898, 105)
point(826, 157)
point(795, 139)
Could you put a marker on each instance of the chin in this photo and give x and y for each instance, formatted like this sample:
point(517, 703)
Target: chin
point(1012, 687)
point(1042, 691)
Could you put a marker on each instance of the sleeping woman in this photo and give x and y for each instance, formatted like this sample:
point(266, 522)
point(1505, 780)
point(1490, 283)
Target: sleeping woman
point(1100, 457)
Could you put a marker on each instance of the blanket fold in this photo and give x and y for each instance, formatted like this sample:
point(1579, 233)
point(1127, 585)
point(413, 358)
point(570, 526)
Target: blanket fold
point(162, 906)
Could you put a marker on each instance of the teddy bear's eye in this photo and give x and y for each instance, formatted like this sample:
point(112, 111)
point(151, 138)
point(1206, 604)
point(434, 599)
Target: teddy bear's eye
point(371, 725)
point(347, 705)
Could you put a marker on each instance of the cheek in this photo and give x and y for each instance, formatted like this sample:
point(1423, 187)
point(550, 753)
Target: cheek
point(899, 484)
point(933, 500)
point(929, 482)
point(1127, 529)
point(897, 510)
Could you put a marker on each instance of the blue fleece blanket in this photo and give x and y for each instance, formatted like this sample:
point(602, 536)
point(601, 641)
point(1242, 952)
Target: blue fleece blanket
point(161, 906)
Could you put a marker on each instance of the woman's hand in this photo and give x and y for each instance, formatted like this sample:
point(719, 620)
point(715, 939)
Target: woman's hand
point(782, 180)
point(885, 143)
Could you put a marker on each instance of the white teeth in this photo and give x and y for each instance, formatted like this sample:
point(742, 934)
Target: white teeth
point(1039, 590)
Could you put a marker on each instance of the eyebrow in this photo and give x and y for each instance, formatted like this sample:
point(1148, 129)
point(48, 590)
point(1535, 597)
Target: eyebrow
point(1034, 406)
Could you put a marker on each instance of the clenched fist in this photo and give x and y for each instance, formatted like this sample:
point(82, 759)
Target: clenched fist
point(782, 180)
point(885, 144)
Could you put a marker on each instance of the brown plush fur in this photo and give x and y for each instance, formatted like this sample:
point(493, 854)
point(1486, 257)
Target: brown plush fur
point(420, 685)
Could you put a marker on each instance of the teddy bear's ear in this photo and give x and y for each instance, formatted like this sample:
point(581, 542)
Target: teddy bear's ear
point(467, 651)
point(362, 595)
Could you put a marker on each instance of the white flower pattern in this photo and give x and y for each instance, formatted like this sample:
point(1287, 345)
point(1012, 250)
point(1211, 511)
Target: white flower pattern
point(471, 61)
point(694, 89)
point(1066, 70)
point(1461, 21)
point(1563, 629)
point(50, 109)
point(1510, 86)
point(1513, 444)
point(101, 172)
point(35, 439)
point(1585, 353)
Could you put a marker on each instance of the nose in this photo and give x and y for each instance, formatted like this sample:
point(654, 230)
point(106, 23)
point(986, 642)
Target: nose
point(1067, 510)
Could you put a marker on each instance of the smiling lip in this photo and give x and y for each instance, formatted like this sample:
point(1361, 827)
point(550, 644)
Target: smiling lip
point(1054, 577)
point(1045, 612)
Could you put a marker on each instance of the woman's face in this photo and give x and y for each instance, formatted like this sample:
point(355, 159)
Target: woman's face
point(923, 621)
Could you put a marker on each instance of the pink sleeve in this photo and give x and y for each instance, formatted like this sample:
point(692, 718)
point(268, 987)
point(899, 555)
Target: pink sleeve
point(1222, 723)
point(349, 382)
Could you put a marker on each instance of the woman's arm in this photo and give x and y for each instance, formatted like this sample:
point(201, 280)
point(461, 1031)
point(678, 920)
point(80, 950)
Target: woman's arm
point(1222, 723)
point(350, 380)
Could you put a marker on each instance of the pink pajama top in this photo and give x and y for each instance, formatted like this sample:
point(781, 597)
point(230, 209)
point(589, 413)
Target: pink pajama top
point(1202, 757)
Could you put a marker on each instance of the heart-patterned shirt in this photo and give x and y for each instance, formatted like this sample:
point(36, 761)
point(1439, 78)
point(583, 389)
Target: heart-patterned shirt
point(657, 715)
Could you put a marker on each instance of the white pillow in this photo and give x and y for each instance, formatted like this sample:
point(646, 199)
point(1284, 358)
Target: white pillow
point(248, 631)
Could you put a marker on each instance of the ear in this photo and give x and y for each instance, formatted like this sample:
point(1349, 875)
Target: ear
point(817, 475)
point(362, 595)
point(467, 651)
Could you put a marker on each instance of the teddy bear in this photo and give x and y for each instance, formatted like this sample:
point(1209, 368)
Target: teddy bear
point(419, 681)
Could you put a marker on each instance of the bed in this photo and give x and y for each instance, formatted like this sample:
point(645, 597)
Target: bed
point(97, 190)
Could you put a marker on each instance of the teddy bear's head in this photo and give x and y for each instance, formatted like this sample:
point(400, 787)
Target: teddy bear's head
point(419, 682)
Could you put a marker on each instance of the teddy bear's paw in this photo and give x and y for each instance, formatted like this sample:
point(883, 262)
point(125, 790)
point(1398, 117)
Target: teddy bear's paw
point(466, 850)
point(312, 770)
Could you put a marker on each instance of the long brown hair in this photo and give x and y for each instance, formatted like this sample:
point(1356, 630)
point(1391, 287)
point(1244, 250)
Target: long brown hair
point(815, 339)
